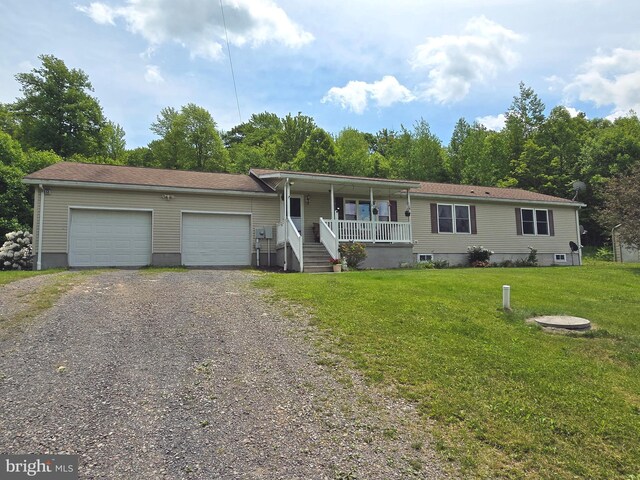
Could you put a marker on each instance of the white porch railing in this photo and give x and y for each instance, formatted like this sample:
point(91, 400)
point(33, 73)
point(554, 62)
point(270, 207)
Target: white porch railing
point(295, 240)
point(363, 231)
point(329, 239)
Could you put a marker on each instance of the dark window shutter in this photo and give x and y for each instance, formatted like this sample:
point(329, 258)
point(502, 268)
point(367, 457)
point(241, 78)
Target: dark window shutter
point(434, 218)
point(552, 230)
point(339, 204)
point(518, 222)
point(393, 210)
point(472, 214)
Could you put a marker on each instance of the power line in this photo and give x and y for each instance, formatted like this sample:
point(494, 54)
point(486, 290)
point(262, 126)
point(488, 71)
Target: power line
point(233, 76)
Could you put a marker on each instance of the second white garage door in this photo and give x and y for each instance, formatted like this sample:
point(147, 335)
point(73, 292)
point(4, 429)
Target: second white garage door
point(216, 239)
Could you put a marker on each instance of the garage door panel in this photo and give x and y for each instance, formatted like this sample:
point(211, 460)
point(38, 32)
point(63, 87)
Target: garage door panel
point(103, 238)
point(216, 240)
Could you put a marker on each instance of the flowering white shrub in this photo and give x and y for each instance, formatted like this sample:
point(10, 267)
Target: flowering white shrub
point(479, 256)
point(16, 252)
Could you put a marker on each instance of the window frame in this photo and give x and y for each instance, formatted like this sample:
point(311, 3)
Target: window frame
point(454, 218)
point(425, 254)
point(556, 259)
point(357, 203)
point(535, 222)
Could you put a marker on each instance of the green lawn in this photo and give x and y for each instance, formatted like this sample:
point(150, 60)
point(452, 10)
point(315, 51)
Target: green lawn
point(508, 399)
point(13, 275)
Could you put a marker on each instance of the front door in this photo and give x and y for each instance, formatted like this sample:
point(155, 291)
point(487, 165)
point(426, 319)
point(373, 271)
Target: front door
point(295, 212)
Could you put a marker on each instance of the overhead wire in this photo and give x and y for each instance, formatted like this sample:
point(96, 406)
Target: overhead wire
point(233, 76)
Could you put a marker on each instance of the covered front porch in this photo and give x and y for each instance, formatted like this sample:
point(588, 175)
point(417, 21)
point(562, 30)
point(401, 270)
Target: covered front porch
point(327, 210)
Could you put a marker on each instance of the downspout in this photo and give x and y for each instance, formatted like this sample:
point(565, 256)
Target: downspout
point(579, 239)
point(40, 226)
point(615, 252)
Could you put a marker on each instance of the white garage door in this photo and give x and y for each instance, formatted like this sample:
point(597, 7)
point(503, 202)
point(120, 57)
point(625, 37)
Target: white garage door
point(215, 240)
point(109, 238)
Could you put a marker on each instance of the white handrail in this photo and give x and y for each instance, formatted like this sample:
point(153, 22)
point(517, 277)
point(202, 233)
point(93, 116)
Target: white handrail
point(365, 231)
point(295, 240)
point(329, 239)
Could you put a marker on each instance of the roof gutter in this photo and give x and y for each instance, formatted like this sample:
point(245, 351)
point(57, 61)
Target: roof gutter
point(150, 188)
point(340, 180)
point(567, 203)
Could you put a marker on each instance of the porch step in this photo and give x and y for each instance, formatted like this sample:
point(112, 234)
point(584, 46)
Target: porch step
point(316, 258)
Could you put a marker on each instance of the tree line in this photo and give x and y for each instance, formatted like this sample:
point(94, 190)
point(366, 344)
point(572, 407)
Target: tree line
point(58, 118)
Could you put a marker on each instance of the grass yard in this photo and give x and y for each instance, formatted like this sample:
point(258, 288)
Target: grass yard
point(508, 399)
point(14, 275)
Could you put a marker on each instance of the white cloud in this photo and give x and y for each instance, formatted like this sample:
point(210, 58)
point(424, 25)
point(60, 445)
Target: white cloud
point(153, 75)
point(493, 122)
point(197, 24)
point(573, 112)
point(355, 95)
point(456, 62)
point(610, 79)
point(99, 13)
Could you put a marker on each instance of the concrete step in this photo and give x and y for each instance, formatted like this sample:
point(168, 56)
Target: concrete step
point(317, 268)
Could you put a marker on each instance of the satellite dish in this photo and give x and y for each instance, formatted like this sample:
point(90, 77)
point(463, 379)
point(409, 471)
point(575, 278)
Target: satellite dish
point(578, 187)
point(573, 246)
point(582, 230)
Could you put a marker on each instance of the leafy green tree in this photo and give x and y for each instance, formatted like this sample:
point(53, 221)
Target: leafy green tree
point(317, 154)
point(57, 111)
point(523, 119)
point(622, 206)
point(203, 147)
point(426, 159)
point(295, 131)
point(353, 153)
point(115, 145)
point(15, 201)
point(10, 150)
point(140, 157)
point(456, 152)
point(188, 140)
point(254, 143)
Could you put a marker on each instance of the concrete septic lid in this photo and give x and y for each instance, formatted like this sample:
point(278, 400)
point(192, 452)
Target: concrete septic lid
point(563, 321)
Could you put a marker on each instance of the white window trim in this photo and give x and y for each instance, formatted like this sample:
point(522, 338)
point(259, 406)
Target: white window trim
point(426, 254)
point(563, 255)
point(535, 223)
point(453, 218)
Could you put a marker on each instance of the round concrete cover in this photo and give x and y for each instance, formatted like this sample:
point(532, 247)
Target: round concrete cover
point(563, 321)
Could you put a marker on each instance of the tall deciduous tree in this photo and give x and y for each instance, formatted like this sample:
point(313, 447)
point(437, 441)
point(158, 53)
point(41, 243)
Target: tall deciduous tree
point(353, 153)
point(57, 111)
point(523, 119)
point(317, 154)
point(115, 145)
point(622, 206)
point(295, 131)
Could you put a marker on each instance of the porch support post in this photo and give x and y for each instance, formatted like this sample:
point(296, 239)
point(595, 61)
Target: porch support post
point(333, 205)
point(372, 218)
point(286, 220)
point(409, 219)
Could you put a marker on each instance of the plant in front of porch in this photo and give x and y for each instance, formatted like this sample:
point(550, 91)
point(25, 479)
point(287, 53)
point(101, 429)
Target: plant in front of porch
point(335, 261)
point(479, 256)
point(353, 253)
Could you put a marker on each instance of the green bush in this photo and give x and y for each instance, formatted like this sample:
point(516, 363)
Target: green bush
point(478, 256)
point(604, 254)
point(353, 253)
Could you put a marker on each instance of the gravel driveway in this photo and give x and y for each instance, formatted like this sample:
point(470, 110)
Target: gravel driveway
point(195, 375)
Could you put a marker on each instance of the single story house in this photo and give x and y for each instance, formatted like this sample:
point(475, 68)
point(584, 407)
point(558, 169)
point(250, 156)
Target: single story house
point(89, 215)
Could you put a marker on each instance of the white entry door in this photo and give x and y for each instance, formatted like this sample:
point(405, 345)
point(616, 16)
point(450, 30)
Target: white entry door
point(210, 239)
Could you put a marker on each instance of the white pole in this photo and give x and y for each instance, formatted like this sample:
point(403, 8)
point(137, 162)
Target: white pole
point(286, 221)
point(40, 227)
point(506, 297)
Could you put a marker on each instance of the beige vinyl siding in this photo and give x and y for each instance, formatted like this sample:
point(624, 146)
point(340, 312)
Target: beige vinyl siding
point(496, 224)
point(319, 206)
point(166, 213)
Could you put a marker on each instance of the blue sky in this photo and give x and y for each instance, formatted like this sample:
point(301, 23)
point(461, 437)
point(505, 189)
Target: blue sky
point(364, 64)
